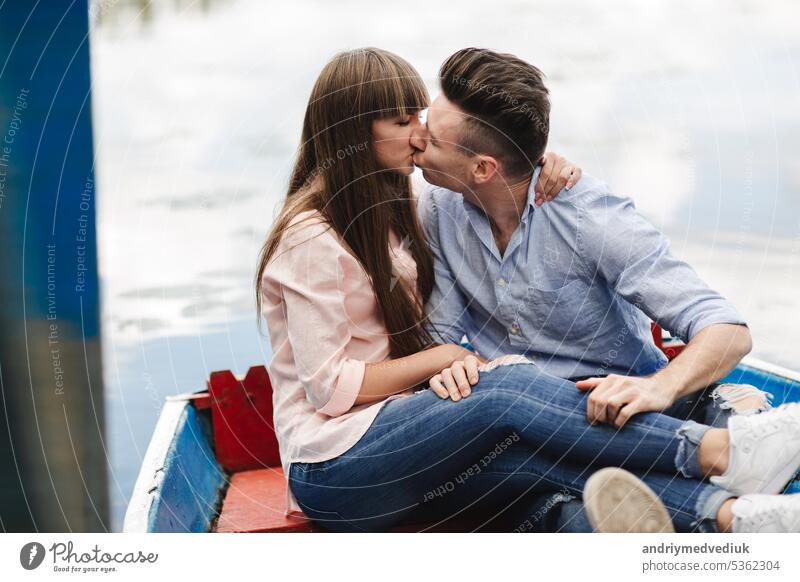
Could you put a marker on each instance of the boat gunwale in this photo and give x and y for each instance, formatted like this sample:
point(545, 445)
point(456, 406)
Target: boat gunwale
point(769, 368)
point(151, 473)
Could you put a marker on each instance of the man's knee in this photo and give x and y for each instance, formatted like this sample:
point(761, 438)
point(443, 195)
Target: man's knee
point(508, 360)
point(741, 398)
point(514, 375)
point(526, 385)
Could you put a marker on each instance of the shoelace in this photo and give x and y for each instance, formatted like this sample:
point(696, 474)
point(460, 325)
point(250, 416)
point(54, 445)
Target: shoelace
point(791, 422)
point(768, 514)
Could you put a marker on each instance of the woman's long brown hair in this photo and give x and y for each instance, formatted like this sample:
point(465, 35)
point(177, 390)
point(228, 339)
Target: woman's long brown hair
point(337, 174)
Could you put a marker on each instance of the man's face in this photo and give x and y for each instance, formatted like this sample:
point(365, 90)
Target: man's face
point(438, 153)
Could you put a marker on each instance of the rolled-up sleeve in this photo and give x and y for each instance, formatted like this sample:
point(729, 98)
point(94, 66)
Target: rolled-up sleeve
point(446, 306)
point(634, 258)
point(312, 275)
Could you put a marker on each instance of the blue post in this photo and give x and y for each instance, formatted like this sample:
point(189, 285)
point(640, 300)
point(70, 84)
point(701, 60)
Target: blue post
point(52, 450)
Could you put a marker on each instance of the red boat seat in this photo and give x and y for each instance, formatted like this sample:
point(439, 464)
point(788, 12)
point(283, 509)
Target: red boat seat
point(246, 447)
point(255, 502)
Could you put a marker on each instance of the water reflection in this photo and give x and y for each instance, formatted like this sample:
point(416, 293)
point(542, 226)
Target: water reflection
point(111, 13)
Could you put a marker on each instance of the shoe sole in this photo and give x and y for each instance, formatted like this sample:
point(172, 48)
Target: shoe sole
point(617, 501)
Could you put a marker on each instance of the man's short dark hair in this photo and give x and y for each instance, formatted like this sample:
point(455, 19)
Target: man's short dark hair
point(507, 106)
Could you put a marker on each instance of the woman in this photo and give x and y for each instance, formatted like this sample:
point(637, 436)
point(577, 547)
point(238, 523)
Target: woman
point(342, 282)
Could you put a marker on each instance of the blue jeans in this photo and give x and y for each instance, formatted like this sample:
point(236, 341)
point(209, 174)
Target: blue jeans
point(520, 433)
point(562, 510)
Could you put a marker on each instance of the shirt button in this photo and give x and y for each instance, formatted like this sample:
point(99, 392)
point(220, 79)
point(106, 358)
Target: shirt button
point(501, 282)
point(514, 329)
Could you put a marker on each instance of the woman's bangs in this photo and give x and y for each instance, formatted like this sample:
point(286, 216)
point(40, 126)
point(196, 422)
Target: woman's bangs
point(400, 92)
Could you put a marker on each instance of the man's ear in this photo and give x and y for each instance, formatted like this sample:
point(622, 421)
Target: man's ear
point(484, 168)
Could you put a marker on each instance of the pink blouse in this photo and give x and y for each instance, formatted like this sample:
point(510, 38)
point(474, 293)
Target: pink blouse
point(324, 326)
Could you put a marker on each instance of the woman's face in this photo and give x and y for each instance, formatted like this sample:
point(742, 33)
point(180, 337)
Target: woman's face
point(392, 137)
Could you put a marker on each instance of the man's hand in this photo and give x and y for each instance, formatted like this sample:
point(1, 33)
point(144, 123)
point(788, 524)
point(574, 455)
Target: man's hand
point(557, 173)
point(614, 399)
point(456, 381)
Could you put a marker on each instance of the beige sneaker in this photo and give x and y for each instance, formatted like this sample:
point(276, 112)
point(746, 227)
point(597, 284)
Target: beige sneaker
point(617, 501)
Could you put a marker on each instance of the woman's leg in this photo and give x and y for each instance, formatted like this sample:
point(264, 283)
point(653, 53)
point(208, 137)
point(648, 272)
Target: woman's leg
point(416, 442)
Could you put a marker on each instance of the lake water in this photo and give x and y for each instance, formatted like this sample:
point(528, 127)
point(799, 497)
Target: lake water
point(690, 108)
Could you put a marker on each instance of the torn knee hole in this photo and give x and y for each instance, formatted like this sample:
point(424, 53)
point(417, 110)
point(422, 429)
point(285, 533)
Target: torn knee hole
point(741, 397)
point(508, 360)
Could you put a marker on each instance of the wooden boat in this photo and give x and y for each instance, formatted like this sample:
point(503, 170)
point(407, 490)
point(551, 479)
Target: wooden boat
point(213, 464)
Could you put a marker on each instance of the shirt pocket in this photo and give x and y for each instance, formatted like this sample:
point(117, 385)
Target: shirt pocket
point(562, 314)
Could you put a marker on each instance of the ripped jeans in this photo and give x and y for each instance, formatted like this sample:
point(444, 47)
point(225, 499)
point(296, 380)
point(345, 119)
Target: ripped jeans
point(712, 407)
point(521, 432)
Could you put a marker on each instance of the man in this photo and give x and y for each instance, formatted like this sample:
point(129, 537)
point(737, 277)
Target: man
point(571, 284)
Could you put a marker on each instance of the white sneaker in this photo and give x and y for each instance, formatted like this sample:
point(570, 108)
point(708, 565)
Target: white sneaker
point(764, 451)
point(617, 501)
point(766, 514)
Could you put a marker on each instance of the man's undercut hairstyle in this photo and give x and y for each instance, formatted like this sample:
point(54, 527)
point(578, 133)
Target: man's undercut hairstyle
point(507, 107)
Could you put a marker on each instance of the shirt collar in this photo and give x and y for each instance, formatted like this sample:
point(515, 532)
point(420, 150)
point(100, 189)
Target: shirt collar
point(531, 206)
point(531, 200)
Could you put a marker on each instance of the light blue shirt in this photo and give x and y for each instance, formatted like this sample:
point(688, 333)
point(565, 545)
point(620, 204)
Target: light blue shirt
point(575, 289)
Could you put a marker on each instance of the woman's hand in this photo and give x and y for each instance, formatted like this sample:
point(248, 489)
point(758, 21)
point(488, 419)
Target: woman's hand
point(456, 381)
point(557, 173)
point(391, 376)
point(455, 353)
